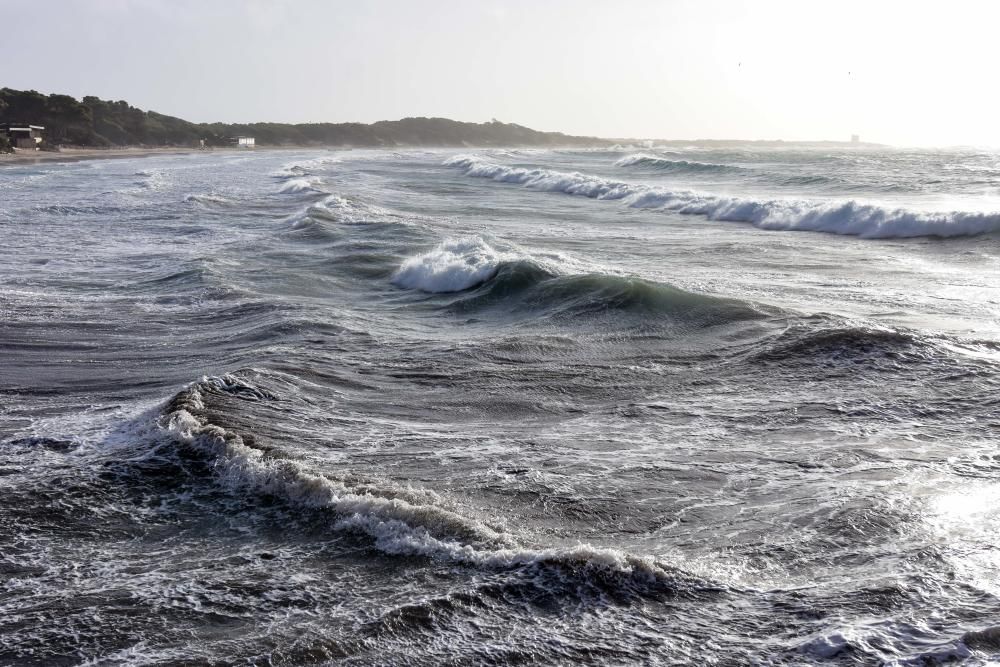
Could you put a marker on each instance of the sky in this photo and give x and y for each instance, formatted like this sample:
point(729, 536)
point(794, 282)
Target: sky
point(904, 73)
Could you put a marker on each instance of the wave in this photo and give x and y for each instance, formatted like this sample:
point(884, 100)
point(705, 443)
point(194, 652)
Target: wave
point(694, 167)
point(831, 342)
point(311, 221)
point(524, 287)
point(209, 200)
point(303, 167)
point(573, 183)
point(807, 179)
point(455, 265)
point(290, 171)
point(679, 166)
point(986, 640)
point(399, 521)
point(347, 210)
point(150, 179)
point(556, 286)
point(463, 263)
point(298, 185)
point(71, 210)
point(852, 218)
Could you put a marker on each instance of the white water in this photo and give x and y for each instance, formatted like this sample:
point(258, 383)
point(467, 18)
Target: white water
point(849, 217)
point(476, 416)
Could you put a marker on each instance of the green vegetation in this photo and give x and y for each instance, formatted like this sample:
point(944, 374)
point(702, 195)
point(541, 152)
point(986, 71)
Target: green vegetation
point(4, 143)
point(95, 122)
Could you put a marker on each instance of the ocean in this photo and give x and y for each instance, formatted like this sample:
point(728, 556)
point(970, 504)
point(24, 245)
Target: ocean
point(708, 405)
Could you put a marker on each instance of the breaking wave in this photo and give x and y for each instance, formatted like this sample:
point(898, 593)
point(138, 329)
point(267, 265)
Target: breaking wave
point(850, 217)
point(304, 167)
point(399, 522)
point(675, 166)
point(519, 282)
point(343, 210)
point(298, 185)
point(209, 200)
point(573, 183)
point(455, 265)
point(290, 171)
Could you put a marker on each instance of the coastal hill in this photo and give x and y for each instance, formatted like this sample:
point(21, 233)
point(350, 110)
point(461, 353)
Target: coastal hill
point(93, 122)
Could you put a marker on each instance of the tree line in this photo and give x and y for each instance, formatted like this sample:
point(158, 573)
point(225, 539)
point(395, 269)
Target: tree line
point(93, 122)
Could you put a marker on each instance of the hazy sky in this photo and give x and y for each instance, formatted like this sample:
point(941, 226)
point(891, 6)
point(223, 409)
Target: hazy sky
point(895, 72)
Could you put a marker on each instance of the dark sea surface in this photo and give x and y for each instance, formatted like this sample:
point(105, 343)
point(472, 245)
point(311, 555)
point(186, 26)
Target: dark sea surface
point(626, 406)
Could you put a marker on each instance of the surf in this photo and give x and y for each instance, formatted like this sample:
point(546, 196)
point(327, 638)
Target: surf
point(488, 277)
point(399, 522)
point(642, 160)
point(849, 218)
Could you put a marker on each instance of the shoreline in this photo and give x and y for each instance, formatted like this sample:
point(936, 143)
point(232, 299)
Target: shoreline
point(68, 155)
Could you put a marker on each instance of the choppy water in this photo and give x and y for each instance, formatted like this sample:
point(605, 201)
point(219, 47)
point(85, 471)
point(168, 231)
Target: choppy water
point(694, 406)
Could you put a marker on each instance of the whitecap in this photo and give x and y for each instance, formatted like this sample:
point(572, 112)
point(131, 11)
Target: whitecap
point(852, 218)
point(454, 265)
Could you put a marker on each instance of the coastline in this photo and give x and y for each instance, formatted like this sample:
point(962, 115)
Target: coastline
point(80, 154)
point(68, 155)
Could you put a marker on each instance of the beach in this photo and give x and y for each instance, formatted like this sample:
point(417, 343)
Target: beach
point(78, 154)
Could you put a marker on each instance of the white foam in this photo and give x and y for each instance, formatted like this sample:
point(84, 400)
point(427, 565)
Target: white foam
point(665, 163)
point(240, 466)
point(303, 167)
point(573, 183)
point(289, 171)
point(453, 266)
point(398, 525)
point(850, 217)
point(397, 537)
point(345, 210)
point(297, 185)
point(208, 198)
point(636, 158)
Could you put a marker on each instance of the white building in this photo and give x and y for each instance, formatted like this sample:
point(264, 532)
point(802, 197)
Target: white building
point(245, 142)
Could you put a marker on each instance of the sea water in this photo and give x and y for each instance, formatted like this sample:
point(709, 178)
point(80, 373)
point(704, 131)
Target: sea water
point(670, 405)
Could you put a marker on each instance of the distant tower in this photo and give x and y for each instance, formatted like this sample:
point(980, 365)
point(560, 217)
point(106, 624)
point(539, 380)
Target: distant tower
point(855, 139)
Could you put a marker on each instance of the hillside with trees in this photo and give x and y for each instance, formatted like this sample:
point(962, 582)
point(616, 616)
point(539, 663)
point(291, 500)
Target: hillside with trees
point(93, 122)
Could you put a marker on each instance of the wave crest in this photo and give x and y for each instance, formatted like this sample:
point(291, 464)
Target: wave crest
point(573, 183)
point(680, 166)
point(209, 200)
point(552, 287)
point(409, 524)
point(298, 185)
point(852, 218)
point(453, 266)
point(842, 341)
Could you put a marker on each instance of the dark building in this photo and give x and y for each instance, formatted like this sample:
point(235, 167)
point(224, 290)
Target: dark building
point(22, 135)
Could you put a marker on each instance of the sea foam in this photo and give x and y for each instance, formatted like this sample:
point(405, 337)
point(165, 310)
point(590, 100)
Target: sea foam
point(299, 185)
point(665, 164)
point(853, 218)
point(453, 266)
point(398, 525)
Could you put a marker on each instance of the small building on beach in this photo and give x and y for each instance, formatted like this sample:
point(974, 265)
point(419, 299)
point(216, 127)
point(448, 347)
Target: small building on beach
point(245, 142)
point(22, 135)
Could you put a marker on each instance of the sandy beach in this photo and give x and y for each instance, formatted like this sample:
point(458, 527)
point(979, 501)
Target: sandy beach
point(78, 154)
